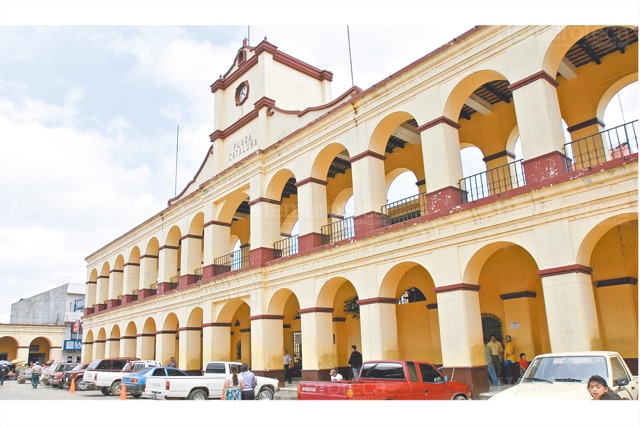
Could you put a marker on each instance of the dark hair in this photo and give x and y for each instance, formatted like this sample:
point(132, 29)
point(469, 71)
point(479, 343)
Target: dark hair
point(234, 371)
point(354, 347)
point(522, 354)
point(610, 395)
point(244, 367)
point(598, 379)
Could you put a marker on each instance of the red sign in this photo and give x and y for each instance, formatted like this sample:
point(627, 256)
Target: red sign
point(76, 326)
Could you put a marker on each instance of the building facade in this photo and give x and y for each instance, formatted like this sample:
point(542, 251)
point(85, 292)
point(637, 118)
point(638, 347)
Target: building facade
point(45, 326)
point(256, 254)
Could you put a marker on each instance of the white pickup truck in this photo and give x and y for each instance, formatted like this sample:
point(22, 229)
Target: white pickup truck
point(565, 376)
point(207, 386)
point(104, 377)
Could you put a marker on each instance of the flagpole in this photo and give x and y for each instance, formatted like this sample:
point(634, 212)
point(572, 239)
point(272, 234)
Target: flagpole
point(175, 189)
point(350, 61)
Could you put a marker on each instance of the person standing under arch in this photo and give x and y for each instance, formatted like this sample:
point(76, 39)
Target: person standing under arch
point(355, 362)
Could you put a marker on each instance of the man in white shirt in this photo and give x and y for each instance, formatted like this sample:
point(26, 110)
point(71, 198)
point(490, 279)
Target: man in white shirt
point(288, 362)
point(335, 376)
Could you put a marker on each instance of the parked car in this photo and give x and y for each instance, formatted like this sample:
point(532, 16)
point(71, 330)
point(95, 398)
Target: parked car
point(77, 373)
point(47, 371)
point(106, 374)
point(135, 383)
point(565, 376)
point(55, 380)
point(388, 380)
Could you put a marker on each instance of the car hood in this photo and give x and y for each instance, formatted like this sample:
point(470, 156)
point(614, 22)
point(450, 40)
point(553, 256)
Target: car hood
point(541, 390)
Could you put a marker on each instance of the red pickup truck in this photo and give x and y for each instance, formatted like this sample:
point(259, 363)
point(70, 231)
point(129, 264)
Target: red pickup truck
point(388, 380)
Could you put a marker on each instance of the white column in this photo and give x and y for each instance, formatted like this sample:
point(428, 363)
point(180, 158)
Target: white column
point(379, 330)
point(571, 309)
point(312, 205)
point(317, 339)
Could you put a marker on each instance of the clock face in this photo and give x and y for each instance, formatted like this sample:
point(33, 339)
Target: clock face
point(243, 92)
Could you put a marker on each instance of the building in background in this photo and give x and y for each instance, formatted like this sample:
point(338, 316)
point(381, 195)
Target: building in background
point(258, 253)
point(45, 326)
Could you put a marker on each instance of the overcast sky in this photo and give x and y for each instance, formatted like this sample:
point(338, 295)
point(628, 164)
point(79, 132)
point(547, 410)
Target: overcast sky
point(88, 117)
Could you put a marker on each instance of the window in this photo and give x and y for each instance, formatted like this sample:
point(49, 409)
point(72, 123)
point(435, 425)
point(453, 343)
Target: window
point(215, 368)
point(383, 371)
point(159, 372)
point(413, 375)
point(176, 373)
point(491, 325)
point(617, 369)
point(430, 374)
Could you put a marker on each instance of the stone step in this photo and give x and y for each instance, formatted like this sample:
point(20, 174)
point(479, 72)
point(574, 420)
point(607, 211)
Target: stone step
point(288, 392)
point(493, 390)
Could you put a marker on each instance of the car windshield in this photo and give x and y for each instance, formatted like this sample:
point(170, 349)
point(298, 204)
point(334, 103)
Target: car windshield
point(566, 368)
point(78, 367)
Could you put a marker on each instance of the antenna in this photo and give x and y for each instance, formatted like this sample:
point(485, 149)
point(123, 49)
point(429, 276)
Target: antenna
point(175, 189)
point(350, 61)
point(249, 35)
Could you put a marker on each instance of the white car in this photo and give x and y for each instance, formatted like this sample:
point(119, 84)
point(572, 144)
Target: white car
point(565, 376)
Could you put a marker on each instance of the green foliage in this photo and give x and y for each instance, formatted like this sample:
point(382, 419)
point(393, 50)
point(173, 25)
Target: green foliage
point(351, 307)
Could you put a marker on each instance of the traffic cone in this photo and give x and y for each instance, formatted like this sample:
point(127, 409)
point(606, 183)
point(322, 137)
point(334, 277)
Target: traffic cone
point(72, 387)
point(123, 391)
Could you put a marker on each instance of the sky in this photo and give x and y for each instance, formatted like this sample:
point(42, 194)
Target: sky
point(92, 93)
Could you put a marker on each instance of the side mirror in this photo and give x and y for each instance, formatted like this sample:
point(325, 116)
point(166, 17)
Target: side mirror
point(620, 382)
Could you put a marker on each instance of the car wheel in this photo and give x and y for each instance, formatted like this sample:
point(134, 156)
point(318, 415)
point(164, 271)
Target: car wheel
point(81, 385)
point(105, 391)
point(115, 388)
point(265, 393)
point(460, 397)
point(197, 395)
point(136, 395)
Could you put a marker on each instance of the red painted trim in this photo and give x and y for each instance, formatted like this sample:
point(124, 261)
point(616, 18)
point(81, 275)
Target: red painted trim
point(616, 282)
point(377, 300)
point(216, 325)
point(310, 180)
point(161, 248)
point(266, 317)
point(220, 223)
point(440, 120)
point(264, 200)
point(132, 264)
point(567, 269)
point(246, 119)
point(367, 153)
point(456, 287)
point(532, 78)
point(499, 155)
point(585, 124)
point(190, 236)
point(190, 328)
point(316, 310)
point(149, 256)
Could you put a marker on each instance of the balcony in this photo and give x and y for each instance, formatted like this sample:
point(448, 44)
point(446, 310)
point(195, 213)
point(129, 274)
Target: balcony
point(337, 231)
point(493, 181)
point(232, 261)
point(404, 210)
point(286, 247)
point(614, 143)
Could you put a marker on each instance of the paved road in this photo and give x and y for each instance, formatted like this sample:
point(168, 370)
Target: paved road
point(11, 390)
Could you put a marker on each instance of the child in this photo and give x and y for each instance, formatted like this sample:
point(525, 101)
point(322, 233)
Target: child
point(523, 363)
point(599, 389)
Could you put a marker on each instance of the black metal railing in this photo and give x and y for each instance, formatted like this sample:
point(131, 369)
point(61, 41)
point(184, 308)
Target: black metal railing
point(153, 288)
point(173, 282)
point(134, 295)
point(286, 247)
point(198, 274)
point(405, 209)
point(337, 231)
point(598, 148)
point(493, 181)
point(233, 261)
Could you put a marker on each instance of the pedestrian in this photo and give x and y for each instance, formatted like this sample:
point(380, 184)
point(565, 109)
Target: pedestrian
point(233, 390)
point(335, 376)
point(4, 369)
point(496, 354)
point(172, 362)
point(36, 370)
point(493, 378)
point(522, 363)
point(511, 369)
point(288, 367)
point(249, 381)
point(599, 389)
point(355, 361)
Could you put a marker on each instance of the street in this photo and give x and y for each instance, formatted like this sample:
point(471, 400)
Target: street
point(11, 390)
